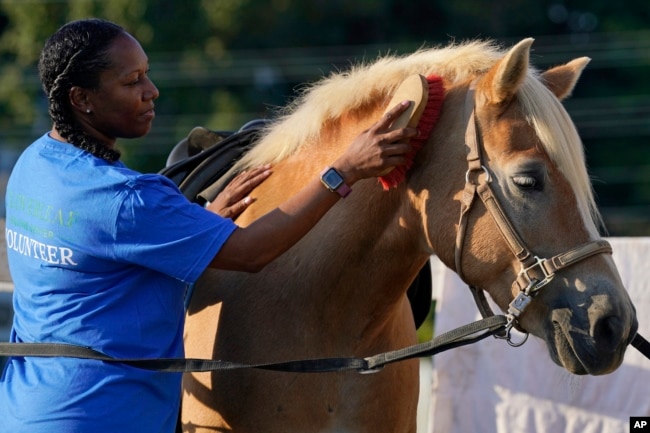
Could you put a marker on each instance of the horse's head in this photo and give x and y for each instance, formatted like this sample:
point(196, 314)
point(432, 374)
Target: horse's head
point(527, 165)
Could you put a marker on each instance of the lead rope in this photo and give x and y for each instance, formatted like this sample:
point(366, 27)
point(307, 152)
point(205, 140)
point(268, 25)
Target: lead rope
point(461, 336)
point(641, 344)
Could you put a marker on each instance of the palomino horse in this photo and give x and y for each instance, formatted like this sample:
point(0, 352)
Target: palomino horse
point(341, 290)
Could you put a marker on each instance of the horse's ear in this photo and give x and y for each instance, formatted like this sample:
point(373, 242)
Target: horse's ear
point(562, 79)
point(503, 80)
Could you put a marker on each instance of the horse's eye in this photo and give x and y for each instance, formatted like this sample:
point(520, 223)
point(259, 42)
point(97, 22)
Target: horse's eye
point(526, 182)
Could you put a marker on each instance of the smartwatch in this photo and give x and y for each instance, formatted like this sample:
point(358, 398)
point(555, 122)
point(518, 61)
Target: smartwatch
point(333, 181)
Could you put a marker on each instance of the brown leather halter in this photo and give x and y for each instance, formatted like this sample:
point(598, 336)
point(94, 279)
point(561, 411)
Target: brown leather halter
point(535, 272)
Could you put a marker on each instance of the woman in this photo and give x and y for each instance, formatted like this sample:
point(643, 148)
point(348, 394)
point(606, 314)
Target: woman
point(100, 255)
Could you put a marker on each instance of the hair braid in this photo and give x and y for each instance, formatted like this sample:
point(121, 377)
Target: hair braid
point(75, 56)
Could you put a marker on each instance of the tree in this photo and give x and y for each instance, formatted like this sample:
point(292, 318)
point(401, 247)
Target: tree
point(27, 24)
point(221, 63)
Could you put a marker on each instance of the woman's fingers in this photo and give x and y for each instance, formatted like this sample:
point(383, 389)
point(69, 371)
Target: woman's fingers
point(392, 114)
point(235, 198)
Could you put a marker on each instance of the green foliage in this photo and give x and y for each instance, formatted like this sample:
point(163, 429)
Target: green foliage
point(221, 63)
point(426, 331)
point(28, 24)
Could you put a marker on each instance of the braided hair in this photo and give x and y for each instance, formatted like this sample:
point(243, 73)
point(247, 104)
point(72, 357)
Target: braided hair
point(75, 56)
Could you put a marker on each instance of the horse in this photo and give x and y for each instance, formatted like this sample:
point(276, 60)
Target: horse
point(341, 291)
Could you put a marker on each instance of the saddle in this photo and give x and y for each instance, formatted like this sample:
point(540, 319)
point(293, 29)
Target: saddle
point(198, 165)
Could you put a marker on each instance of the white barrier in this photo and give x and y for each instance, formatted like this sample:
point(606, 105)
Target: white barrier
point(490, 387)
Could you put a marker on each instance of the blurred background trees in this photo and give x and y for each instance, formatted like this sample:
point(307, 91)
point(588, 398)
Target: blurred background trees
point(221, 63)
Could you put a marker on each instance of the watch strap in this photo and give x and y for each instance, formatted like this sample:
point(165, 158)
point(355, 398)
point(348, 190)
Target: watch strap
point(344, 190)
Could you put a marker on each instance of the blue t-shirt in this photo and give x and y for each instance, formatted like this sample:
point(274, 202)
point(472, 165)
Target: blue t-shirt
point(100, 256)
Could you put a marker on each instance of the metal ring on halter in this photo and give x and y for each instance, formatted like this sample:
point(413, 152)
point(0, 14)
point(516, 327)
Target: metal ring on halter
point(508, 336)
point(519, 343)
point(488, 178)
point(516, 307)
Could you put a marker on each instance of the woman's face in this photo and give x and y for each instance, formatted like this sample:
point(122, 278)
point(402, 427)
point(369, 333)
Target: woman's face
point(122, 105)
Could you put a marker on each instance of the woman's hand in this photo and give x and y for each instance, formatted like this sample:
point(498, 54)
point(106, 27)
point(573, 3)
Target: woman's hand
point(234, 199)
point(376, 150)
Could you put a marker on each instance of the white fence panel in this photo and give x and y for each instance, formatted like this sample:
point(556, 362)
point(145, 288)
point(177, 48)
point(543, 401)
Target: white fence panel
point(490, 387)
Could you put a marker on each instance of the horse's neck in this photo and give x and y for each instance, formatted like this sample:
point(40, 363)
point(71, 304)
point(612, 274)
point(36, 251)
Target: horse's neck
point(420, 215)
point(293, 173)
point(437, 180)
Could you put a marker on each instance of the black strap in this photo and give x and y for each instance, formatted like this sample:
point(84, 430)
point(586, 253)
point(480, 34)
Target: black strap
point(641, 344)
point(419, 295)
point(464, 335)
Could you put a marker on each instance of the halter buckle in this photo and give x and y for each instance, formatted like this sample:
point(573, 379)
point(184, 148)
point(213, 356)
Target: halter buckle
point(534, 284)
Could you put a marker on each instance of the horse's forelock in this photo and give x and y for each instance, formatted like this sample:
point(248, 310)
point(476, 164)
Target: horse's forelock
point(329, 98)
point(561, 141)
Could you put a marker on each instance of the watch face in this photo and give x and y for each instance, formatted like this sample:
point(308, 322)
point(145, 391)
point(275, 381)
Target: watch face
point(332, 179)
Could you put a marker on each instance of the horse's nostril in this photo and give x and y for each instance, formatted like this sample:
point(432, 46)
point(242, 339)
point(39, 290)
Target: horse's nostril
point(607, 333)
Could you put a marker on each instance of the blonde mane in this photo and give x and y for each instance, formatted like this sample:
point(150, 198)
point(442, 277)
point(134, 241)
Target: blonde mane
point(341, 92)
point(331, 97)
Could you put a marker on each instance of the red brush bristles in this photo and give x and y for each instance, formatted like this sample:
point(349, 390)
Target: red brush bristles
point(428, 120)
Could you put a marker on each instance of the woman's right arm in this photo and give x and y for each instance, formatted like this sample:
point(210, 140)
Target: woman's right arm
point(372, 153)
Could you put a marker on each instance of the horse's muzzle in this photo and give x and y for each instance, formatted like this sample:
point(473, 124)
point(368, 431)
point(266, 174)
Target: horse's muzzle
point(598, 351)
